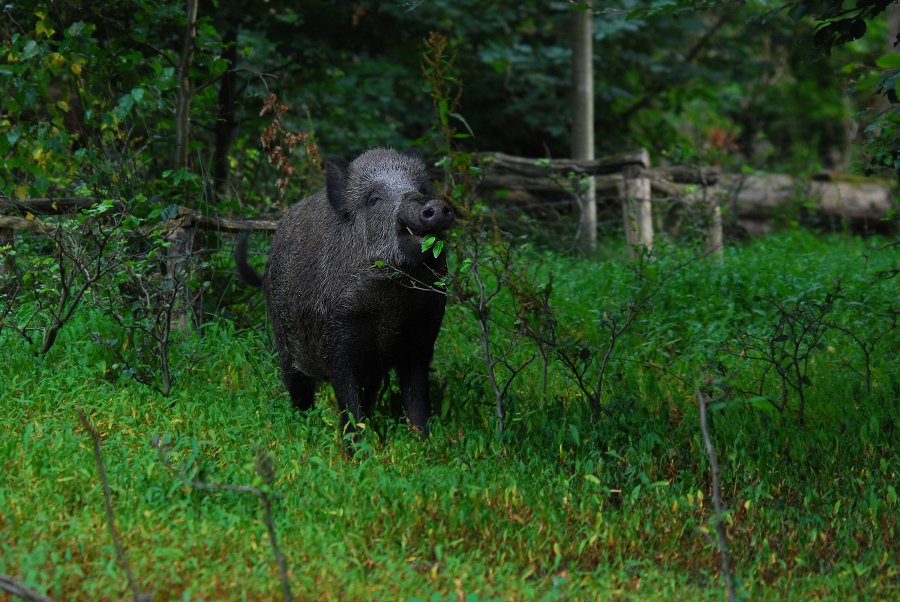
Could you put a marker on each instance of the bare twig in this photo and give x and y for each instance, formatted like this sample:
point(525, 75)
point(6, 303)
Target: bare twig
point(11, 586)
point(579, 359)
point(110, 517)
point(259, 74)
point(788, 344)
point(482, 313)
point(265, 470)
point(691, 57)
point(717, 497)
point(866, 344)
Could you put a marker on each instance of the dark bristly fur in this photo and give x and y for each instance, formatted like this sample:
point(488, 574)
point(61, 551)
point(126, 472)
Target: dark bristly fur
point(335, 315)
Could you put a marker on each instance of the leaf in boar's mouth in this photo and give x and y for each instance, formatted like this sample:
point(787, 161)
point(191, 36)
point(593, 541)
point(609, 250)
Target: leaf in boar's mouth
point(430, 241)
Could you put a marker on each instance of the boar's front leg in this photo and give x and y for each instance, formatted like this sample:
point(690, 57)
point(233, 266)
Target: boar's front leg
point(351, 349)
point(350, 400)
point(412, 372)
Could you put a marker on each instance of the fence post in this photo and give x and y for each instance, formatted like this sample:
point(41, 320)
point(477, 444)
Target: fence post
point(634, 189)
point(712, 196)
point(715, 241)
point(181, 242)
point(6, 238)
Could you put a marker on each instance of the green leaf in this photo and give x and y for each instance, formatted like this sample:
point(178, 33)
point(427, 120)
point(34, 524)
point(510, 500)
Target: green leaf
point(100, 208)
point(77, 28)
point(889, 61)
point(218, 66)
point(124, 106)
point(465, 123)
point(31, 49)
point(762, 403)
point(428, 242)
point(438, 247)
point(593, 479)
point(207, 29)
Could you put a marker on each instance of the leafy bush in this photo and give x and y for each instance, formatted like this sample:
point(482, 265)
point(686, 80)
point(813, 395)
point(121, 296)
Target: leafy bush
point(562, 503)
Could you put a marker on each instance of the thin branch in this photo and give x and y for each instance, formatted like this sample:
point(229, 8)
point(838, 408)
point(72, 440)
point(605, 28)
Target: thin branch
point(691, 57)
point(655, 366)
point(11, 586)
point(717, 497)
point(110, 517)
point(514, 372)
point(482, 315)
point(262, 77)
point(632, 311)
point(263, 469)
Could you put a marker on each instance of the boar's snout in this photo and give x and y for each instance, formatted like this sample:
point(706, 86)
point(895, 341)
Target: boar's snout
point(416, 220)
point(436, 216)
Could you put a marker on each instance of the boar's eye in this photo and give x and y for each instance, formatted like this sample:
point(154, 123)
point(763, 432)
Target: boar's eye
point(373, 200)
point(425, 190)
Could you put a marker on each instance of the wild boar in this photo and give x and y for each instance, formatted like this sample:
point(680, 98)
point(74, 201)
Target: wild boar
point(349, 290)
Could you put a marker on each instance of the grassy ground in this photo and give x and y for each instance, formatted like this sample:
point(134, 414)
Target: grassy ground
point(559, 507)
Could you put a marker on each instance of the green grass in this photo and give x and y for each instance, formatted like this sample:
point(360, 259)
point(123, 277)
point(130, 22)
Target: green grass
point(559, 507)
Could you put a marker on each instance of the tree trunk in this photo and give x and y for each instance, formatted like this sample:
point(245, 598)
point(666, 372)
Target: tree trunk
point(225, 122)
point(583, 121)
point(183, 106)
point(893, 19)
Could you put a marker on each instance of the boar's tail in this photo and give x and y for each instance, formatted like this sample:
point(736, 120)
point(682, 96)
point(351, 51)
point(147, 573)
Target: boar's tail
point(244, 269)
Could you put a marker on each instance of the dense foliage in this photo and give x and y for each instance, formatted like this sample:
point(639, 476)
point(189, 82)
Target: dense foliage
point(565, 459)
point(558, 507)
point(92, 87)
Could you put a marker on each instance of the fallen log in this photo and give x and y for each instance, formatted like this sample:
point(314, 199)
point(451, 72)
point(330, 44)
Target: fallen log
point(8, 222)
point(503, 163)
point(763, 197)
point(685, 174)
point(190, 218)
point(57, 206)
point(46, 206)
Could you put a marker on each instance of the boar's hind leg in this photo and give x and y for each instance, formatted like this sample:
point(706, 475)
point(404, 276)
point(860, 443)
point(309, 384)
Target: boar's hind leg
point(301, 388)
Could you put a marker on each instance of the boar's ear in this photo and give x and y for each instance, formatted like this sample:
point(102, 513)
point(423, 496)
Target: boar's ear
point(336, 172)
point(414, 153)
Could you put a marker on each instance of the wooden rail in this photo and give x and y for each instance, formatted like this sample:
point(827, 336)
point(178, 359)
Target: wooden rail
point(188, 218)
point(181, 226)
point(628, 174)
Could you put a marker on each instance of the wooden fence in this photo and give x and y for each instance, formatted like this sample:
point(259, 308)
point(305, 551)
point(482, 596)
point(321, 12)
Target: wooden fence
point(628, 176)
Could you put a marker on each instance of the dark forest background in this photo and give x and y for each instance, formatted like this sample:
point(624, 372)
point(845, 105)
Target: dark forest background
point(93, 87)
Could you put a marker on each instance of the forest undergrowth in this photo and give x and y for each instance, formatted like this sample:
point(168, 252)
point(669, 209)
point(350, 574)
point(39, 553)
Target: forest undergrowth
point(572, 500)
